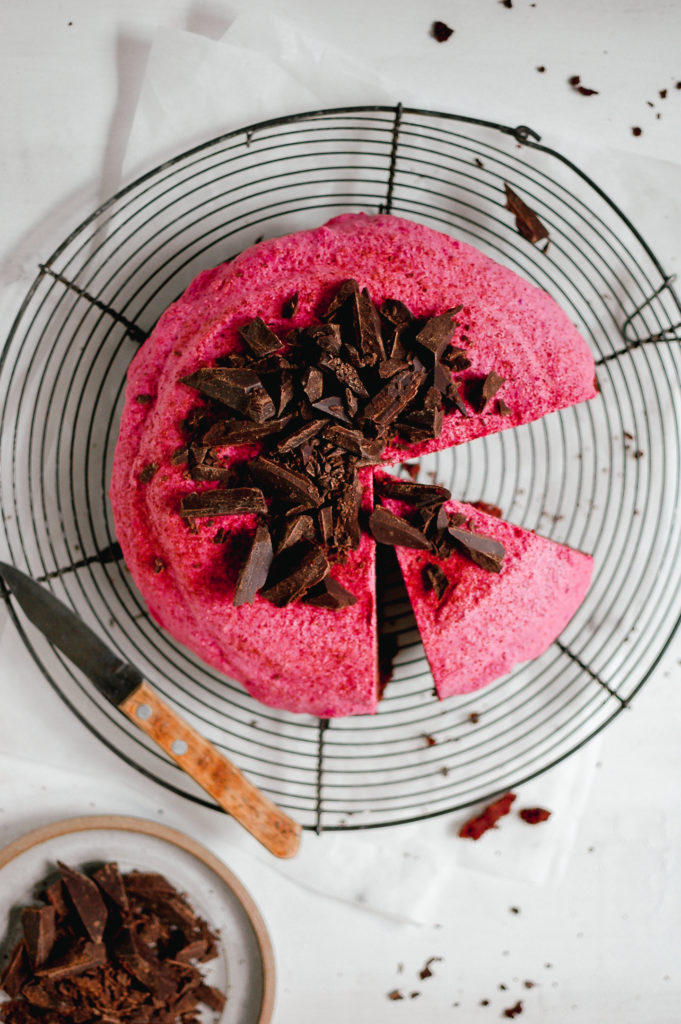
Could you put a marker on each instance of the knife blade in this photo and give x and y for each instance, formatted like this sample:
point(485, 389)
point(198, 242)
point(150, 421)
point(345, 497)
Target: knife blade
point(125, 687)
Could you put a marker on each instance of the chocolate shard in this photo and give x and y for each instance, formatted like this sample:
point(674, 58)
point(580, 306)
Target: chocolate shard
point(344, 373)
point(346, 292)
point(82, 957)
point(526, 220)
point(484, 551)
point(327, 337)
point(425, 423)
point(110, 881)
point(326, 524)
point(254, 570)
point(387, 528)
point(442, 376)
point(483, 390)
point(453, 396)
point(330, 594)
point(232, 501)
point(86, 900)
point(347, 531)
point(353, 441)
point(412, 493)
point(210, 473)
point(435, 579)
point(136, 959)
point(395, 396)
point(293, 486)
point(299, 527)
point(367, 329)
point(54, 895)
point(213, 998)
point(233, 432)
point(290, 307)
point(259, 338)
point(389, 367)
point(300, 436)
point(396, 312)
point(438, 332)
point(312, 383)
point(333, 406)
point(16, 972)
point(286, 392)
point(502, 408)
point(294, 573)
point(39, 933)
point(239, 388)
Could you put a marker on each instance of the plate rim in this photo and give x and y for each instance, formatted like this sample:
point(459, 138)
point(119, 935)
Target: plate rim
point(126, 823)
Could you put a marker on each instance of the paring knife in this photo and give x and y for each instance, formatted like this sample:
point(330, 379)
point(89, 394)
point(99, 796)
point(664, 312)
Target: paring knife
point(124, 686)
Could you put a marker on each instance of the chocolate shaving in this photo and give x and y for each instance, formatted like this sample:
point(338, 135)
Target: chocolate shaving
point(388, 528)
point(254, 570)
point(526, 220)
point(234, 501)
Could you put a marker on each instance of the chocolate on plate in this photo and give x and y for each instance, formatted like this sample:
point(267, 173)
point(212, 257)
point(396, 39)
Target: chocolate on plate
point(111, 948)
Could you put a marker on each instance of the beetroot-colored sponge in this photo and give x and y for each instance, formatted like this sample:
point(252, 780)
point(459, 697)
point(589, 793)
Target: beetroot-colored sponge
point(304, 658)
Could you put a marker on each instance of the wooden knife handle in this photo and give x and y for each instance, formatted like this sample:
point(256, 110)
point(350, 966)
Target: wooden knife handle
point(214, 772)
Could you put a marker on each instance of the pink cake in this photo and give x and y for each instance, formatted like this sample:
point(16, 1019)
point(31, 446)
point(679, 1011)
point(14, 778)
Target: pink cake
point(303, 657)
point(487, 622)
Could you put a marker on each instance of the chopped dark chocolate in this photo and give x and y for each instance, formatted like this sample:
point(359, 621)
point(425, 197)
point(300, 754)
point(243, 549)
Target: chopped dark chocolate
point(300, 527)
point(290, 307)
point(526, 220)
point(344, 373)
point(313, 384)
point(435, 579)
point(232, 501)
point(17, 971)
point(484, 551)
point(333, 406)
point(502, 408)
point(411, 492)
point(293, 486)
point(233, 432)
point(239, 388)
point(110, 881)
point(388, 528)
point(330, 594)
point(87, 901)
point(259, 338)
point(39, 933)
point(148, 472)
point(438, 332)
point(306, 567)
point(254, 570)
point(300, 436)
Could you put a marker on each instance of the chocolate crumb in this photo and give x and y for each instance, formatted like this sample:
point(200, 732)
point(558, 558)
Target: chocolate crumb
point(395, 994)
point(541, 68)
point(662, 94)
point(514, 1011)
point(148, 473)
point(507, 3)
point(441, 31)
point(575, 82)
point(143, 399)
point(425, 971)
point(159, 565)
point(637, 131)
point(474, 717)
point(430, 740)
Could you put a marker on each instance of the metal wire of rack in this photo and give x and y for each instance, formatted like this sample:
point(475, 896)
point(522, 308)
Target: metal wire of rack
point(603, 477)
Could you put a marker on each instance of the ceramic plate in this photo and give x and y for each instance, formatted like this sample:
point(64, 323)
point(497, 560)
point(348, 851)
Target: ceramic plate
point(244, 969)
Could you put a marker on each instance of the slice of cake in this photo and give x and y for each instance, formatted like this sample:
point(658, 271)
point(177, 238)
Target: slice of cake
point(257, 408)
point(492, 596)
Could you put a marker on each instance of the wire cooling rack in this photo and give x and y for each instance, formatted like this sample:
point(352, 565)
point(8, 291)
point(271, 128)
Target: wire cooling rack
point(602, 477)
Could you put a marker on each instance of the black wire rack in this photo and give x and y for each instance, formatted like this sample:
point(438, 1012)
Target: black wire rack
point(602, 477)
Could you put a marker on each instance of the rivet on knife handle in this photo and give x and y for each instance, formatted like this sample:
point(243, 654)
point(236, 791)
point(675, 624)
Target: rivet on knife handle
point(213, 772)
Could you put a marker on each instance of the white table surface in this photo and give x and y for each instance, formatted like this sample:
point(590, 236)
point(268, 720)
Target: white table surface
point(601, 943)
